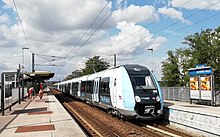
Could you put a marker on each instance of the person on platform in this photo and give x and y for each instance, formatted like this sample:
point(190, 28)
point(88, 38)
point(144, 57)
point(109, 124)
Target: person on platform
point(41, 86)
point(30, 92)
point(41, 91)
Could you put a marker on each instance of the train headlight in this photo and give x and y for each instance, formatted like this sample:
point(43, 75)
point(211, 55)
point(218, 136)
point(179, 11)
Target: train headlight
point(154, 91)
point(158, 98)
point(137, 98)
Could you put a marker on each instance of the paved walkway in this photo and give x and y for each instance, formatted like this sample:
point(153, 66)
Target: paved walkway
point(197, 108)
point(39, 118)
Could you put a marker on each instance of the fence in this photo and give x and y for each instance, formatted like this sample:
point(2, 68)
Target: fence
point(182, 94)
point(15, 96)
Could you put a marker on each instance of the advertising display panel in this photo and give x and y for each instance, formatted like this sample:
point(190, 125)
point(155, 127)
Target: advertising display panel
point(201, 83)
point(206, 88)
point(194, 87)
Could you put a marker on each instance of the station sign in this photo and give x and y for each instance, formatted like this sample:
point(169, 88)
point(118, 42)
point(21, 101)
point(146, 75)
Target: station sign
point(200, 71)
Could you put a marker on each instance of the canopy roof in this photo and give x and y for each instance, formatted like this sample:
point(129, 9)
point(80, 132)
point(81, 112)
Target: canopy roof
point(44, 75)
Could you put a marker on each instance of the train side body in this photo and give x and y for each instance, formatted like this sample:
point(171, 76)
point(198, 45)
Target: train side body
point(129, 91)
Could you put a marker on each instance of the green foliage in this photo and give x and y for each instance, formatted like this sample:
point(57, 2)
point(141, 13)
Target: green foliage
point(69, 77)
point(94, 64)
point(76, 73)
point(203, 48)
point(170, 71)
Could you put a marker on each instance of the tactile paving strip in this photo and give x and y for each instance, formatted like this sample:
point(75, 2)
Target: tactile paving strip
point(35, 128)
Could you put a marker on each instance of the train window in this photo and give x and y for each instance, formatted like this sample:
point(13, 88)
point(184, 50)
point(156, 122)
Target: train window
point(89, 86)
point(104, 84)
point(83, 84)
point(149, 82)
point(75, 87)
point(142, 82)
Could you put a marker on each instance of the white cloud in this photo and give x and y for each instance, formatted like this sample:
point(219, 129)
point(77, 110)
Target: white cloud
point(197, 4)
point(172, 13)
point(53, 27)
point(57, 15)
point(4, 18)
point(132, 40)
point(136, 14)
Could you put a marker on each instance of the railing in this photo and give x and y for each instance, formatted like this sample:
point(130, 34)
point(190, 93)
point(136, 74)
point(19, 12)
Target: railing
point(182, 94)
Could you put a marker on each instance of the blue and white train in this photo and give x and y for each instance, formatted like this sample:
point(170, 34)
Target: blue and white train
point(128, 91)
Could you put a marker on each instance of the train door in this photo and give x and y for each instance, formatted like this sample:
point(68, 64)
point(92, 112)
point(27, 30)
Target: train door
point(79, 89)
point(71, 89)
point(114, 92)
point(96, 90)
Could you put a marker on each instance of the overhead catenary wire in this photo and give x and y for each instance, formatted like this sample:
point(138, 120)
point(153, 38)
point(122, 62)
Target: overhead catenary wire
point(48, 58)
point(52, 56)
point(63, 63)
point(178, 22)
point(19, 18)
point(151, 23)
point(199, 21)
point(193, 14)
point(88, 28)
point(93, 32)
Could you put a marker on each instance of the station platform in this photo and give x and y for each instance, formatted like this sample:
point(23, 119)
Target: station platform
point(44, 117)
point(200, 118)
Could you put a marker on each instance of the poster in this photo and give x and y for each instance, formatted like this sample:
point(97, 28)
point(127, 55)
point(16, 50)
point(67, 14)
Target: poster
point(194, 88)
point(206, 88)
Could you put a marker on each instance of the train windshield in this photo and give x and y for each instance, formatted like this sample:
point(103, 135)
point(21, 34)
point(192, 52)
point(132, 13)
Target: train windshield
point(142, 82)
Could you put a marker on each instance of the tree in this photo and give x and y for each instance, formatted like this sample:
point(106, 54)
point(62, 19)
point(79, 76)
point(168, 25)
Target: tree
point(94, 64)
point(184, 63)
point(76, 73)
point(170, 70)
point(203, 48)
point(68, 77)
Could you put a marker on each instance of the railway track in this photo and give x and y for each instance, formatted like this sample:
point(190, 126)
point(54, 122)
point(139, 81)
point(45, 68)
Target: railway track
point(163, 129)
point(90, 125)
point(99, 123)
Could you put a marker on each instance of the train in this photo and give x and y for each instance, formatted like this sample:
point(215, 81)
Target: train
point(127, 91)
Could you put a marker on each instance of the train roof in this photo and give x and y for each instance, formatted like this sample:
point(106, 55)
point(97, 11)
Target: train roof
point(131, 68)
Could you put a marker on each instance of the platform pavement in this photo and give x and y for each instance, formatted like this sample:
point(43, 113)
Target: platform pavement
point(205, 109)
point(39, 118)
point(201, 118)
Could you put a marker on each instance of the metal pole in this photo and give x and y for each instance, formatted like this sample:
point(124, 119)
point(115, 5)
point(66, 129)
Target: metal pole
point(115, 60)
point(19, 85)
point(32, 62)
point(152, 60)
point(2, 95)
point(151, 49)
point(22, 83)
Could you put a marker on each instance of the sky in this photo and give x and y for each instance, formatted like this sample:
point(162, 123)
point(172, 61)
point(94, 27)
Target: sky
point(62, 35)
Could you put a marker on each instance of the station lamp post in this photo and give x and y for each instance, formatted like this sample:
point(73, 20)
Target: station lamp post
point(23, 72)
point(152, 50)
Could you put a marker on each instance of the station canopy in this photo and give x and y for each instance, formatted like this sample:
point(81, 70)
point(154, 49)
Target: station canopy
point(44, 75)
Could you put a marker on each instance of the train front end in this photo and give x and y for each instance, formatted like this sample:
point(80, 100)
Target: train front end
point(147, 93)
